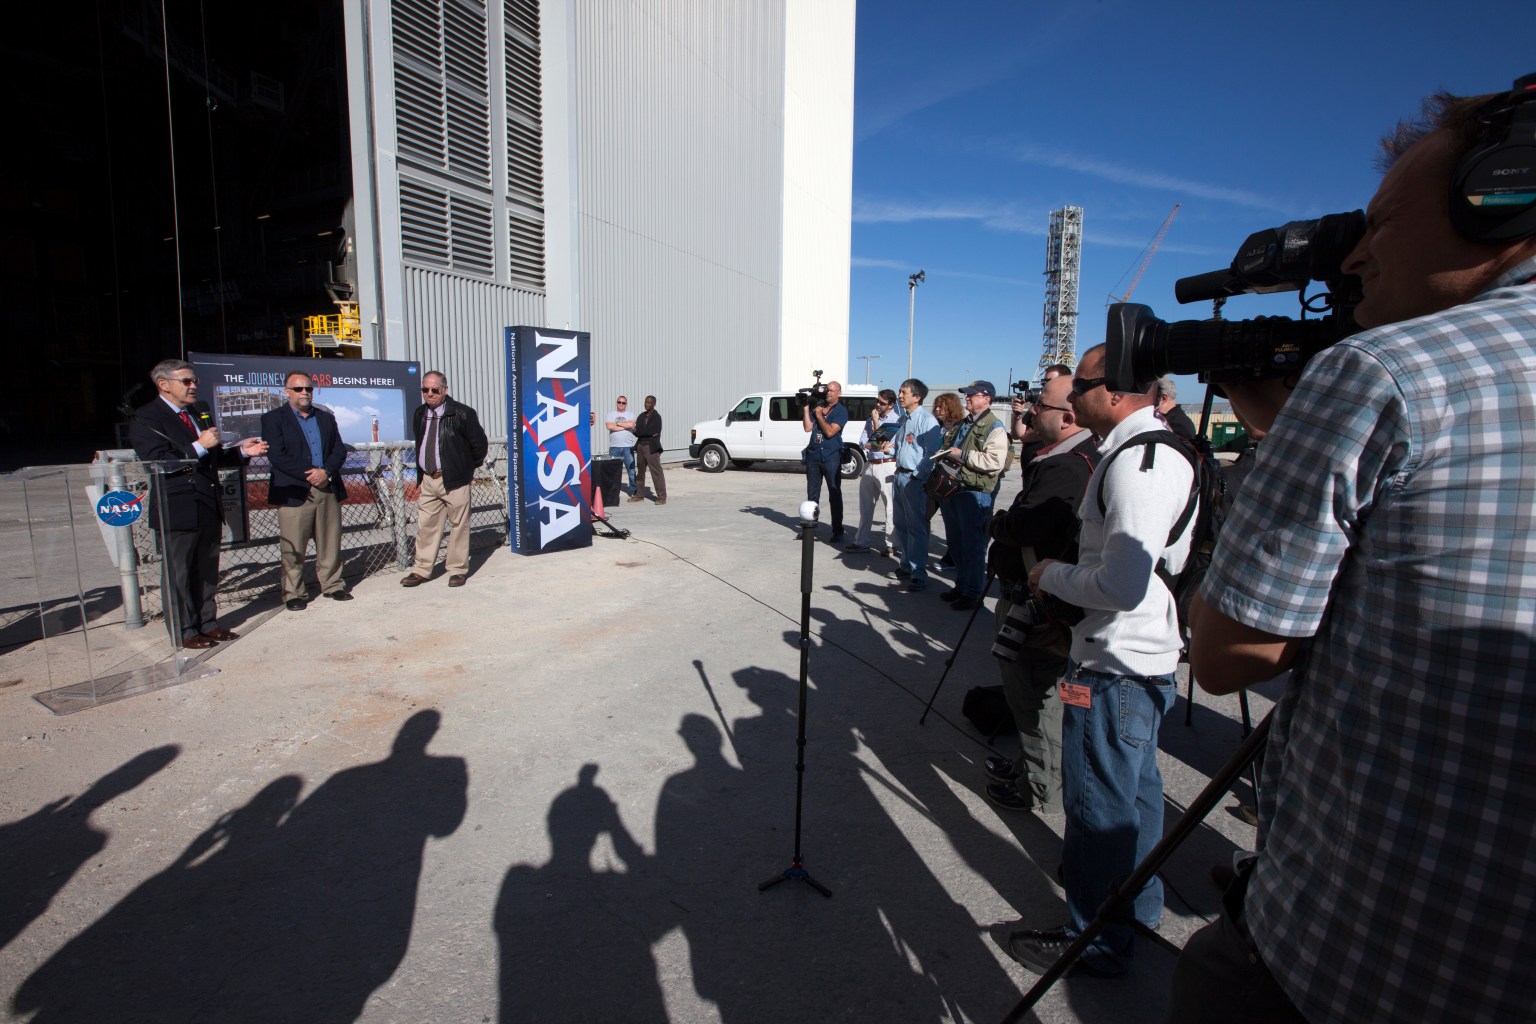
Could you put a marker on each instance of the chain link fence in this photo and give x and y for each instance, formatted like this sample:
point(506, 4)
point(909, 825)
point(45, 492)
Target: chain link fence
point(378, 521)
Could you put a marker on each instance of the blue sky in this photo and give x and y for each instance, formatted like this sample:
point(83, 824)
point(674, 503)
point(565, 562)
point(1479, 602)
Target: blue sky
point(974, 119)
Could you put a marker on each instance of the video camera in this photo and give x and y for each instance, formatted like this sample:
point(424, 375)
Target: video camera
point(815, 395)
point(1029, 391)
point(1140, 347)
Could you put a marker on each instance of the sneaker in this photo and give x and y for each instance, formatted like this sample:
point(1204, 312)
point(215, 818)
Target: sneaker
point(903, 574)
point(1006, 796)
point(1000, 769)
point(836, 538)
point(1039, 951)
point(915, 587)
point(854, 548)
point(634, 497)
point(964, 604)
point(952, 594)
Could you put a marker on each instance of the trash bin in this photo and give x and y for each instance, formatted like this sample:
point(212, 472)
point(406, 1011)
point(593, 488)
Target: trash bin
point(607, 475)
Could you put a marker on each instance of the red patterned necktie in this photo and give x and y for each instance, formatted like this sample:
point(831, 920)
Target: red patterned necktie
point(188, 421)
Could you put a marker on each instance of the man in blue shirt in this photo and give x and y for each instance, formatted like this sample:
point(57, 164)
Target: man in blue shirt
point(306, 454)
point(823, 455)
point(917, 440)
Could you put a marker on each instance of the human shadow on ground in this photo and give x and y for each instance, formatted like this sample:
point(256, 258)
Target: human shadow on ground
point(891, 943)
point(40, 853)
point(575, 942)
point(278, 912)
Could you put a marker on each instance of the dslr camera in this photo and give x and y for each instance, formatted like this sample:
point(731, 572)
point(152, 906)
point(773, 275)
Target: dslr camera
point(1140, 347)
point(814, 396)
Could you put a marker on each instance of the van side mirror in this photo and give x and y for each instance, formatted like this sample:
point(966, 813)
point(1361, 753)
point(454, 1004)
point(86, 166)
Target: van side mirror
point(730, 417)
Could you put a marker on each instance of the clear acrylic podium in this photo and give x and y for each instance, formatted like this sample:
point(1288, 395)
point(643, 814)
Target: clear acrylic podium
point(88, 612)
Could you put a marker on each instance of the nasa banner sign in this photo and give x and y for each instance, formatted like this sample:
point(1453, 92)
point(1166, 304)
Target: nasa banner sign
point(549, 404)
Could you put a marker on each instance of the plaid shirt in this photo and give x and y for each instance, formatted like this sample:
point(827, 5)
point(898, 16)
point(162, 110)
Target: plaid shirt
point(1392, 517)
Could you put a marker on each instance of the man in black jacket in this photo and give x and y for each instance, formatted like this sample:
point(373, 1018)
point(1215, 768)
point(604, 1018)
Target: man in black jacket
point(175, 426)
point(1041, 524)
point(450, 444)
point(648, 452)
point(306, 453)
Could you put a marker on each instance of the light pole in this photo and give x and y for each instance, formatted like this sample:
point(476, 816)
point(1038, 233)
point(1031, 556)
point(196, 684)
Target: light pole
point(866, 366)
point(913, 280)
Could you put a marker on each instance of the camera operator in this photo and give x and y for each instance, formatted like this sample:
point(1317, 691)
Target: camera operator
point(981, 449)
point(1120, 680)
point(1382, 549)
point(1018, 427)
point(823, 456)
point(1168, 408)
point(1042, 523)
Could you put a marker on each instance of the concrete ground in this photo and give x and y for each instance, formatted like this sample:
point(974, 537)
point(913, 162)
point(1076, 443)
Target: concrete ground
point(551, 796)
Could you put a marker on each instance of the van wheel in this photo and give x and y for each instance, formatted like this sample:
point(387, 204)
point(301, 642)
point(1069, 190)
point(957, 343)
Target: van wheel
point(712, 458)
point(851, 464)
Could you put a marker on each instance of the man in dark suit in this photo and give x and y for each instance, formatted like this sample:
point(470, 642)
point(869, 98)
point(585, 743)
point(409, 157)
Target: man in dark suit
point(306, 454)
point(450, 444)
point(175, 426)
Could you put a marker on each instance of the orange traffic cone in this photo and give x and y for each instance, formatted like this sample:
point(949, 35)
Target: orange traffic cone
point(598, 512)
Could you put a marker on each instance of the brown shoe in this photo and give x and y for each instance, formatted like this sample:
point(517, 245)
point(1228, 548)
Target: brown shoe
point(635, 497)
point(199, 642)
point(413, 580)
point(661, 501)
point(457, 581)
point(222, 634)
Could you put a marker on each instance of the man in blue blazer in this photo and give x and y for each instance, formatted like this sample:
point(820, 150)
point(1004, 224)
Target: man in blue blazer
point(306, 453)
point(175, 426)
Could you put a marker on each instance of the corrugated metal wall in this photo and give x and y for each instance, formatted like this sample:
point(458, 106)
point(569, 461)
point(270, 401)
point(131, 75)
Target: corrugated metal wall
point(679, 143)
point(457, 325)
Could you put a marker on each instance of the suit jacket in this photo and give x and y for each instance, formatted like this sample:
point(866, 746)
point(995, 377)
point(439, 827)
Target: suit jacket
point(461, 443)
point(290, 456)
point(192, 498)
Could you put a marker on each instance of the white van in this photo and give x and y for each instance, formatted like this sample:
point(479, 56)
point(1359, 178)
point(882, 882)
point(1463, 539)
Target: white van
point(767, 425)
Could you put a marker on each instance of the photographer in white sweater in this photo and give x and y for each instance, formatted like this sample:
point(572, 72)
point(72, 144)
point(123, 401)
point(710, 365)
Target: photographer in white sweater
point(1120, 680)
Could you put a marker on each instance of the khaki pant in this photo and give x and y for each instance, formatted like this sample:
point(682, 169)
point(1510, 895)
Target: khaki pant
point(318, 519)
point(435, 504)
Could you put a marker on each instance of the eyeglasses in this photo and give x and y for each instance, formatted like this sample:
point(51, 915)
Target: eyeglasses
point(1083, 385)
point(433, 391)
point(623, 401)
point(300, 387)
point(182, 380)
point(1053, 408)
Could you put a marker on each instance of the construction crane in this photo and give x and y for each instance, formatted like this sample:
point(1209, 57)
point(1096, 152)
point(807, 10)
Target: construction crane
point(1145, 259)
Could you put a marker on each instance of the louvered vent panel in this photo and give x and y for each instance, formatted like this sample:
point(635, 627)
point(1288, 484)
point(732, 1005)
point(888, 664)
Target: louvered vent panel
point(473, 235)
point(424, 223)
point(526, 250)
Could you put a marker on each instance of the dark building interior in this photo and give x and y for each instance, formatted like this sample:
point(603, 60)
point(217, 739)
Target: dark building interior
point(176, 181)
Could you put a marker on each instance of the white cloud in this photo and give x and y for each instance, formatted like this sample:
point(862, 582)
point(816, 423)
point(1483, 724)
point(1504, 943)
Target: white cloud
point(1141, 178)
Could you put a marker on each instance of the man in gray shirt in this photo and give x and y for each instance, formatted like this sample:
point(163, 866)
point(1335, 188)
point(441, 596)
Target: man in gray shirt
point(621, 437)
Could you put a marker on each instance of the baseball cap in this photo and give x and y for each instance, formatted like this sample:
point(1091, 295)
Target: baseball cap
point(982, 387)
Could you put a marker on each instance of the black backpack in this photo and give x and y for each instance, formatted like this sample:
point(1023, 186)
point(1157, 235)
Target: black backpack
point(1206, 506)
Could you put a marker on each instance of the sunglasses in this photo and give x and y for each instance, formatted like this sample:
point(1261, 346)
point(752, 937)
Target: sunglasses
point(1083, 385)
point(432, 391)
point(623, 402)
point(189, 381)
point(300, 387)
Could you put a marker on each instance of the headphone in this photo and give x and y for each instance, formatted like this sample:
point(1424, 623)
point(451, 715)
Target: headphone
point(1493, 190)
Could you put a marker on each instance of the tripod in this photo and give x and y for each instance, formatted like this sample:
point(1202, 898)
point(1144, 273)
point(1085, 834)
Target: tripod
point(1126, 891)
point(796, 870)
point(950, 661)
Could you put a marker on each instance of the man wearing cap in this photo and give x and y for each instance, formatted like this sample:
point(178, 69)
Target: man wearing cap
point(981, 449)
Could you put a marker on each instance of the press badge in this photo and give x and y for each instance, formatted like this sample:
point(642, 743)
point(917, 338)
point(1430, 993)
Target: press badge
point(1075, 694)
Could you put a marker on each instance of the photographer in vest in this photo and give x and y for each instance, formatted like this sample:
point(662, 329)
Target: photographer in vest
point(981, 449)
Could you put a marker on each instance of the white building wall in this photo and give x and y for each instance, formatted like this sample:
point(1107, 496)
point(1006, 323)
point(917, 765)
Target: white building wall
point(679, 177)
point(818, 189)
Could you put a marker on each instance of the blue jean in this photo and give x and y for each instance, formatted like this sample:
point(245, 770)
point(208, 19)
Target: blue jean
point(825, 463)
point(912, 527)
point(967, 513)
point(1112, 793)
point(627, 453)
